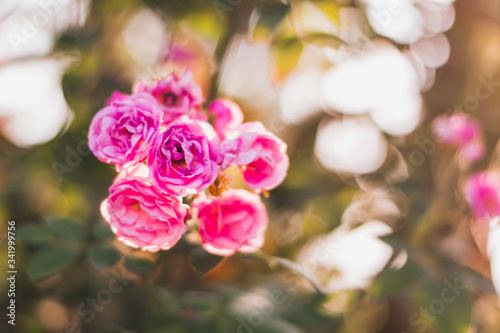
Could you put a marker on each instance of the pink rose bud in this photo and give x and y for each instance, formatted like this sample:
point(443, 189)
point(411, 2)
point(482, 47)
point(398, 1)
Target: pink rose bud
point(228, 116)
point(261, 155)
point(233, 222)
point(183, 159)
point(461, 132)
point(124, 131)
point(143, 217)
point(177, 96)
point(482, 191)
point(116, 96)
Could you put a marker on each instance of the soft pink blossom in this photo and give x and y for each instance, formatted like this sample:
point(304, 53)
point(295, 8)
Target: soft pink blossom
point(461, 132)
point(261, 155)
point(177, 96)
point(184, 158)
point(235, 221)
point(228, 116)
point(142, 216)
point(482, 191)
point(124, 131)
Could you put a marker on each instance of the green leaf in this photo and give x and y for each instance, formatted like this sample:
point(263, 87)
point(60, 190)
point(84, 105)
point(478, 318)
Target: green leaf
point(298, 269)
point(203, 261)
point(330, 9)
point(391, 281)
point(103, 256)
point(33, 233)
point(286, 54)
point(138, 265)
point(324, 39)
point(271, 15)
point(67, 229)
point(49, 261)
point(103, 231)
point(447, 305)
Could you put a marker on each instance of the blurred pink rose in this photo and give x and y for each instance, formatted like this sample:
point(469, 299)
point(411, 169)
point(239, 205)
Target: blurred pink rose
point(177, 96)
point(461, 132)
point(235, 221)
point(116, 96)
point(183, 159)
point(228, 116)
point(261, 155)
point(482, 191)
point(124, 131)
point(143, 217)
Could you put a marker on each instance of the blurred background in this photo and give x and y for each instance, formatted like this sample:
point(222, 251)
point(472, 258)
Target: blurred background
point(369, 232)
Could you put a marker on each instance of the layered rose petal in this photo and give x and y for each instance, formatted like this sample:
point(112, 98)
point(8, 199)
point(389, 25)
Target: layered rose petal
point(177, 96)
point(141, 216)
point(124, 131)
point(233, 222)
point(461, 132)
point(183, 159)
point(228, 116)
point(261, 155)
point(482, 191)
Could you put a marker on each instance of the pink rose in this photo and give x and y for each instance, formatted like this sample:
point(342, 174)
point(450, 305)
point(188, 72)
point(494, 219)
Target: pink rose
point(461, 132)
point(183, 159)
point(228, 116)
point(261, 155)
point(143, 217)
point(177, 96)
point(233, 222)
point(124, 131)
point(482, 191)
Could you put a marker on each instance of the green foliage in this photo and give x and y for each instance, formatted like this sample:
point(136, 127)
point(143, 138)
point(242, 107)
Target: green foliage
point(271, 15)
point(286, 54)
point(103, 232)
point(68, 229)
point(203, 261)
point(103, 256)
point(50, 261)
point(391, 281)
point(138, 265)
point(448, 305)
point(35, 234)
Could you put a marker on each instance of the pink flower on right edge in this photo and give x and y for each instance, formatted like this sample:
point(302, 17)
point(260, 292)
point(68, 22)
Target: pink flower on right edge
point(142, 216)
point(260, 154)
point(233, 222)
point(461, 132)
point(176, 96)
point(482, 191)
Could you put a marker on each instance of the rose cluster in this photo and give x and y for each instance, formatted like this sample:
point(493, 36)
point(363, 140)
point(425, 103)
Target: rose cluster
point(169, 150)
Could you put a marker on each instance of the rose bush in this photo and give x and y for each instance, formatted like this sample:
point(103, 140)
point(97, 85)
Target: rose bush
point(164, 149)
